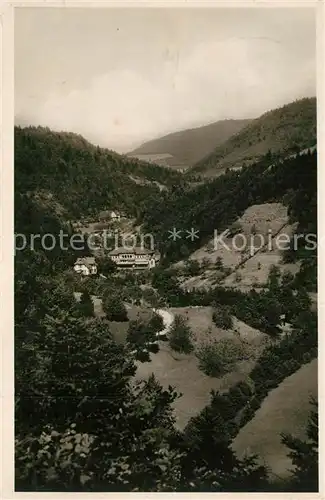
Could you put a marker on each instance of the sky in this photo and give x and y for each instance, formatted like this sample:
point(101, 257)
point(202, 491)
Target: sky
point(122, 76)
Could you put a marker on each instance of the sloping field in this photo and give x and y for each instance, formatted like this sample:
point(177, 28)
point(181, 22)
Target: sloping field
point(286, 409)
point(241, 253)
point(267, 217)
point(255, 270)
point(199, 319)
point(182, 372)
point(270, 221)
point(145, 182)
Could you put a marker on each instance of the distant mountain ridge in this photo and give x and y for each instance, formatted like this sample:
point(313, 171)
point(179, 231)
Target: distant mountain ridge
point(287, 129)
point(184, 148)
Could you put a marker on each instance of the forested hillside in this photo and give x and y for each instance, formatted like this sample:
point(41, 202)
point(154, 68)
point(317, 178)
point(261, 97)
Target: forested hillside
point(285, 130)
point(81, 422)
point(81, 178)
point(214, 205)
point(187, 147)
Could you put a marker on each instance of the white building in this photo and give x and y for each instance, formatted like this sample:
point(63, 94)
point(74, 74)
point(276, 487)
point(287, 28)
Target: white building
point(115, 215)
point(109, 215)
point(85, 266)
point(135, 258)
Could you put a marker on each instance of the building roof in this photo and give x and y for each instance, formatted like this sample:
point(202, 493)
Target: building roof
point(88, 261)
point(108, 213)
point(135, 250)
point(104, 213)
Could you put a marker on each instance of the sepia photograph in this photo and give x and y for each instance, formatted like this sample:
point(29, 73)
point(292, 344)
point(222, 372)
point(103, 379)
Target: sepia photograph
point(165, 249)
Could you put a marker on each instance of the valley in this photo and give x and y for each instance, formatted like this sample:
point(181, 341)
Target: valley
point(181, 366)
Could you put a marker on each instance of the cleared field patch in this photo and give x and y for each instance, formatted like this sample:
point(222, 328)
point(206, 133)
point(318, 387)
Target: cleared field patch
point(200, 321)
point(182, 371)
point(145, 182)
point(244, 255)
point(266, 218)
point(255, 270)
point(123, 225)
point(211, 252)
point(286, 409)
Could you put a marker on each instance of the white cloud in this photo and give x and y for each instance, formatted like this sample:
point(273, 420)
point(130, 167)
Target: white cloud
point(216, 79)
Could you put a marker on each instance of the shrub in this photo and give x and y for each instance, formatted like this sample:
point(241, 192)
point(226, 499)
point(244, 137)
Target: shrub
point(106, 265)
point(180, 338)
point(193, 267)
point(139, 333)
point(86, 306)
point(273, 277)
point(152, 297)
point(141, 337)
point(222, 317)
point(238, 277)
point(205, 263)
point(114, 308)
point(234, 229)
point(219, 264)
point(218, 357)
point(156, 323)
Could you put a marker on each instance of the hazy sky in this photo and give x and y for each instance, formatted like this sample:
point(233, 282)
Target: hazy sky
point(121, 77)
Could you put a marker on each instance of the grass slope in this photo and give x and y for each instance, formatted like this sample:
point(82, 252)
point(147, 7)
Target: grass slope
point(268, 219)
point(285, 410)
point(182, 371)
point(289, 128)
